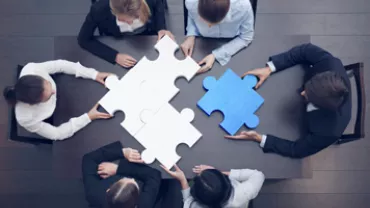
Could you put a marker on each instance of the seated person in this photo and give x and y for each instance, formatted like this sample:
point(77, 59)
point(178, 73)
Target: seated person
point(128, 184)
point(219, 19)
point(34, 97)
point(118, 18)
point(212, 188)
point(328, 94)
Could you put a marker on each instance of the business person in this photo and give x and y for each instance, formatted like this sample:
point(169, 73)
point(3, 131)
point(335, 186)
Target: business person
point(219, 19)
point(327, 92)
point(128, 184)
point(118, 18)
point(216, 189)
point(34, 97)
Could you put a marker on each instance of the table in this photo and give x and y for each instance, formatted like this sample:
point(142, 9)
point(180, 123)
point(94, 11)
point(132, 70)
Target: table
point(281, 114)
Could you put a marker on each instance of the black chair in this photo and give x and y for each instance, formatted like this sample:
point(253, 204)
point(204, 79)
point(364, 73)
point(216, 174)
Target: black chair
point(356, 71)
point(253, 3)
point(13, 133)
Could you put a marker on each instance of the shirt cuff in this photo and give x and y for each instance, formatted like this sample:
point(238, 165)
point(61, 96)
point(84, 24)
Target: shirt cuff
point(221, 56)
point(272, 66)
point(185, 193)
point(234, 174)
point(263, 141)
point(86, 118)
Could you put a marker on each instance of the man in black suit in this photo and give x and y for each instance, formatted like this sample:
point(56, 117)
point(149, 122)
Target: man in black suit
point(328, 95)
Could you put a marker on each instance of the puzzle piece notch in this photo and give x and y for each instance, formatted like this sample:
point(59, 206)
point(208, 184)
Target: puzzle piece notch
point(169, 128)
point(234, 97)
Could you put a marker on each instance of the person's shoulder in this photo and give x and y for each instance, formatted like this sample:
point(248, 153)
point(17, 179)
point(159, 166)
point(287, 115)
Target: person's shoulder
point(240, 6)
point(191, 5)
point(24, 114)
point(28, 69)
point(100, 9)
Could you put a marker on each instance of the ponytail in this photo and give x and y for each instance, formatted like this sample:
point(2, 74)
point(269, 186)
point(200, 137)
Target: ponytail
point(9, 95)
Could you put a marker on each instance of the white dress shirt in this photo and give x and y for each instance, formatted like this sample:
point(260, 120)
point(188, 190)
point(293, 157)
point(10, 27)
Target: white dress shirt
point(310, 107)
point(124, 27)
point(246, 184)
point(32, 117)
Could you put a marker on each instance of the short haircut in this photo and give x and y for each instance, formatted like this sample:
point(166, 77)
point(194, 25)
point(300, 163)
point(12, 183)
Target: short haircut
point(213, 11)
point(122, 194)
point(211, 188)
point(326, 90)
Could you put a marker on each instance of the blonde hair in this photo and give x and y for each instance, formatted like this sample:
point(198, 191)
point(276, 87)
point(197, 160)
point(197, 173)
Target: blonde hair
point(134, 8)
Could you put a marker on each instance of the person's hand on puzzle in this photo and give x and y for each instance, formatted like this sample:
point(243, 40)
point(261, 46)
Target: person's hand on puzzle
point(207, 63)
point(132, 155)
point(162, 33)
point(188, 45)
point(246, 135)
point(94, 114)
point(261, 73)
point(102, 76)
point(125, 60)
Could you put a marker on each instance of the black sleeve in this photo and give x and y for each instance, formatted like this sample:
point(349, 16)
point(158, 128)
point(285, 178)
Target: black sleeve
point(90, 163)
point(306, 54)
point(303, 147)
point(88, 41)
point(160, 20)
point(150, 177)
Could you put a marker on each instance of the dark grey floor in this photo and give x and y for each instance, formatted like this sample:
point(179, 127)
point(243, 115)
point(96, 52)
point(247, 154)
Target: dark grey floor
point(341, 174)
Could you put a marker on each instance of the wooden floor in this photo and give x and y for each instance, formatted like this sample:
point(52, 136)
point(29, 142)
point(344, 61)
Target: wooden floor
point(341, 174)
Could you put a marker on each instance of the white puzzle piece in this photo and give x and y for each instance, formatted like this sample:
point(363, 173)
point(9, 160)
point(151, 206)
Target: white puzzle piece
point(148, 85)
point(164, 131)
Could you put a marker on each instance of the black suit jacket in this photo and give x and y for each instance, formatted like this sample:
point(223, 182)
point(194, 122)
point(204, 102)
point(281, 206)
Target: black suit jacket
point(324, 127)
point(100, 16)
point(95, 187)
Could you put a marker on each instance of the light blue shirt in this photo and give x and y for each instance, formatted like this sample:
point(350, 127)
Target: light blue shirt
point(237, 24)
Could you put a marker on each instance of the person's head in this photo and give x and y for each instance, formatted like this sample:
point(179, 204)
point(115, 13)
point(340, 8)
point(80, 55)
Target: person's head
point(123, 193)
point(129, 10)
point(211, 188)
point(30, 89)
point(213, 11)
point(326, 90)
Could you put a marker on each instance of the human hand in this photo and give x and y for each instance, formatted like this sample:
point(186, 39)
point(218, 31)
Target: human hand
point(261, 73)
point(246, 135)
point(95, 114)
point(125, 60)
point(107, 169)
point(208, 63)
point(188, 45)
point(198, 169)
point(101, 77)
point(132, 155)
point(162, 33)
point(177, 174)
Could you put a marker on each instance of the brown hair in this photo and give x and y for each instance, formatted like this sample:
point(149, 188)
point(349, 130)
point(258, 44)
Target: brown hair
point(122, 194)
point(134, 8)
point(28, 89)
point(213, 11)
point(326, 90)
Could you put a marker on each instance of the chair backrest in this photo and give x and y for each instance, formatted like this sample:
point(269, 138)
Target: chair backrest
point(253, 3)
point(357, 72)
point(13, 124)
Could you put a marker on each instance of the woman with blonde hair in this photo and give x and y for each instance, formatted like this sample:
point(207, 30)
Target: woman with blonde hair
point(118, 18)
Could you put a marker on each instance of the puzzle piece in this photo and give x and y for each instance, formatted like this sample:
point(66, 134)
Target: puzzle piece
point(234, 97)
point(165, 130)
point(148, 85)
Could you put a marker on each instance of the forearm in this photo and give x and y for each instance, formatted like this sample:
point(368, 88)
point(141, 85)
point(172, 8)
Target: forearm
point(225, 52)
point(191, 28)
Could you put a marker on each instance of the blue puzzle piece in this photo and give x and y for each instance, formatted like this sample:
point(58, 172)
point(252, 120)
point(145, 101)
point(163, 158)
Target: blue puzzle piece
point(234, 97)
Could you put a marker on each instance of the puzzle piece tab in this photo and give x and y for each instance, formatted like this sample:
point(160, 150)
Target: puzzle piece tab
point(148, 85)
point(164, 131)
point(234, 97)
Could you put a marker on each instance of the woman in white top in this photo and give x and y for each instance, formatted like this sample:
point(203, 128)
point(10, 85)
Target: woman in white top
point(34, 97)
point(216, 189)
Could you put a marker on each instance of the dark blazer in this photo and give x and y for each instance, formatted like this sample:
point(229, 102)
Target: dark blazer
point(95, 187)
point(100, 16)
point(324, 127)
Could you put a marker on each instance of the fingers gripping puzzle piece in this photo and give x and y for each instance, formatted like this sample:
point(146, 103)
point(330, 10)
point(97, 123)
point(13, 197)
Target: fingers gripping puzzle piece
point(234, 97)
point(148, 85)
point(164, 131)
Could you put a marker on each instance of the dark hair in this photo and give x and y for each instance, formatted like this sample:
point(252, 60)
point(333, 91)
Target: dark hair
point(123, 194)
point(214, 11)
point(211, 188)
point(326, 90)
point(28, 89)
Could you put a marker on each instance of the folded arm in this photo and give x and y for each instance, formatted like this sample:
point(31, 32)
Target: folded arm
point(251, 183)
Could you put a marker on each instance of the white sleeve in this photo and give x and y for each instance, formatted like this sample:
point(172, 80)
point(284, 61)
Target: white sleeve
point(67, 67)
point(61, 132)
point(187, 198)
point(251, 183)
